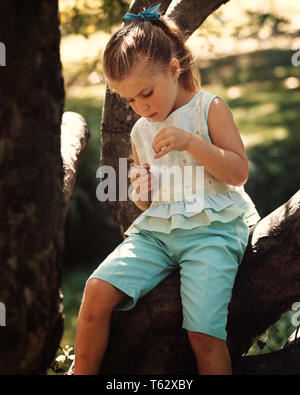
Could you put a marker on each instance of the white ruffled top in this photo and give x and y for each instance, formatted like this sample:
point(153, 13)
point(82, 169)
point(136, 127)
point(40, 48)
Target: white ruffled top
point(172, 206)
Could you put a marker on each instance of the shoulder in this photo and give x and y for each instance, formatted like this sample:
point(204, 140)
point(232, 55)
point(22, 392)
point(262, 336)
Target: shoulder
point(136, 127)
point(207, 101)
point(138, 123)
point(212, 105)
point(218, 108)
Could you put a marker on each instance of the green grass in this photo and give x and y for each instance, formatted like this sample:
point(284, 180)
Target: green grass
point(270, 114)
point(73, 282)
point(264, 103)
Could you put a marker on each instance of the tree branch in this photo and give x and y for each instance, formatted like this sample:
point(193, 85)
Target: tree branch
point(268, 279)
point(74, 138)
point(189, 21)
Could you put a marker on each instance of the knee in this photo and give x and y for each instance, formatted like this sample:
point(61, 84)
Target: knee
point(203, 343)
point(99, 298)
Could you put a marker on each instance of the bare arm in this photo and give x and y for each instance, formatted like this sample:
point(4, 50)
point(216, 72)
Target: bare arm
point(225, 158)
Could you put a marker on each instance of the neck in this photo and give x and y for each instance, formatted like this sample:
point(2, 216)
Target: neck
point(183, 97)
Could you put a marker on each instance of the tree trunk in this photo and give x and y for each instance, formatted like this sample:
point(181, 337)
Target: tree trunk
point(31, 196)
point(267, 282)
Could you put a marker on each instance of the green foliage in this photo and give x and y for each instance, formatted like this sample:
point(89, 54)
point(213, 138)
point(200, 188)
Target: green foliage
point(80, 75)
point(261, 20)
point(74, 279)
point(263, 65)
point(275, 173)
point(86, 16)
point(211, 30)
point(275, 337)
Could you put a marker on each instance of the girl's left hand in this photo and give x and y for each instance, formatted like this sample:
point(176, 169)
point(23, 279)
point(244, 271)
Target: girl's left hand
point(170, 139)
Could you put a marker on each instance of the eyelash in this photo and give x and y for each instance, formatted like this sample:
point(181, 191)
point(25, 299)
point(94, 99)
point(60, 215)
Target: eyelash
point(148, 95)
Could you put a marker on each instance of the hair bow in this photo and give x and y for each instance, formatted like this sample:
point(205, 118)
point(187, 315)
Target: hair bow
point(151, 14)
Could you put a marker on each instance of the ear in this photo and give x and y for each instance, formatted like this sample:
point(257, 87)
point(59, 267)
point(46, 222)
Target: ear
point(174, 67)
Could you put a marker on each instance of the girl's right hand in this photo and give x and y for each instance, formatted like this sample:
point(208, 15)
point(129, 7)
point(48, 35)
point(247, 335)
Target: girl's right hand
point(141, 178)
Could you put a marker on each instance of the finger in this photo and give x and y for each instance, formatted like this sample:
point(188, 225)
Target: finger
point(157, 138)
point(142, 167)
point(162, 152)
point(160, 146)
point(146, 166)
point(136, 171)
point(142, 176)
point(140, 187)
point(135, 179)
point(146, 179)
point(145, 186)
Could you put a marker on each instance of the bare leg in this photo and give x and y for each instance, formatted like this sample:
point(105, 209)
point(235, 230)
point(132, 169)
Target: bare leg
point(211, 353)
point(93, 325)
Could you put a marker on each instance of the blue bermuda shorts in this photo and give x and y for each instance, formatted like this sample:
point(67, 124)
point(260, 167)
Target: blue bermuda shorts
point(208, 259)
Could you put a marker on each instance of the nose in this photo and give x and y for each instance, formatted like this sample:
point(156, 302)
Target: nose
point(143, 108)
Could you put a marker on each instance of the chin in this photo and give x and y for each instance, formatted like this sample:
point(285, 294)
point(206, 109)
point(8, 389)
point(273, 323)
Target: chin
point(160, 118)
point(155, 119)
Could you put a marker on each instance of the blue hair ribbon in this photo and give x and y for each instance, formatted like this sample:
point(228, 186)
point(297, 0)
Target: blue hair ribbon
point(151, 14)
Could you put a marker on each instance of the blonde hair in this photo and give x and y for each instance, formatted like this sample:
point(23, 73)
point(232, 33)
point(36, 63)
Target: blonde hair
point(158, 41)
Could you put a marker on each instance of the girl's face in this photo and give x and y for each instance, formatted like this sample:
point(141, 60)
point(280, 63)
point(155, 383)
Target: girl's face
point(152, 93)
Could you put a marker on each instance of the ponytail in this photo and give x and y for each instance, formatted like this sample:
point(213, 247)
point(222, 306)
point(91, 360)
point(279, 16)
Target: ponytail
point(189, 76)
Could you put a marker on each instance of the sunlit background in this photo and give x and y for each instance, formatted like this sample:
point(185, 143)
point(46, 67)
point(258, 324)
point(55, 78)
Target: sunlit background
point(245, 53)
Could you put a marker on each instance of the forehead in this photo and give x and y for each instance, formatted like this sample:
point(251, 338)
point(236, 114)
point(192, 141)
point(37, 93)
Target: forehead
point(143, 75)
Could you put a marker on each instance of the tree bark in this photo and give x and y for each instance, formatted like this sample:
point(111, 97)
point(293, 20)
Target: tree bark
point(282, 362)
point(189, 15)
point(267, 282)
point(74, 138)
point(31, 196)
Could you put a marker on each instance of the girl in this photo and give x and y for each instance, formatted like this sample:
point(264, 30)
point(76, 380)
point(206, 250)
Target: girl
point(147, 63)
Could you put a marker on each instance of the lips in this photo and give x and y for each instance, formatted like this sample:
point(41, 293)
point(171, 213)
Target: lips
point(152, 115)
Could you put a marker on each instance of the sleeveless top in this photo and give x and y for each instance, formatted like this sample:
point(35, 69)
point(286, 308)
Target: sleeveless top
point(188, 196)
